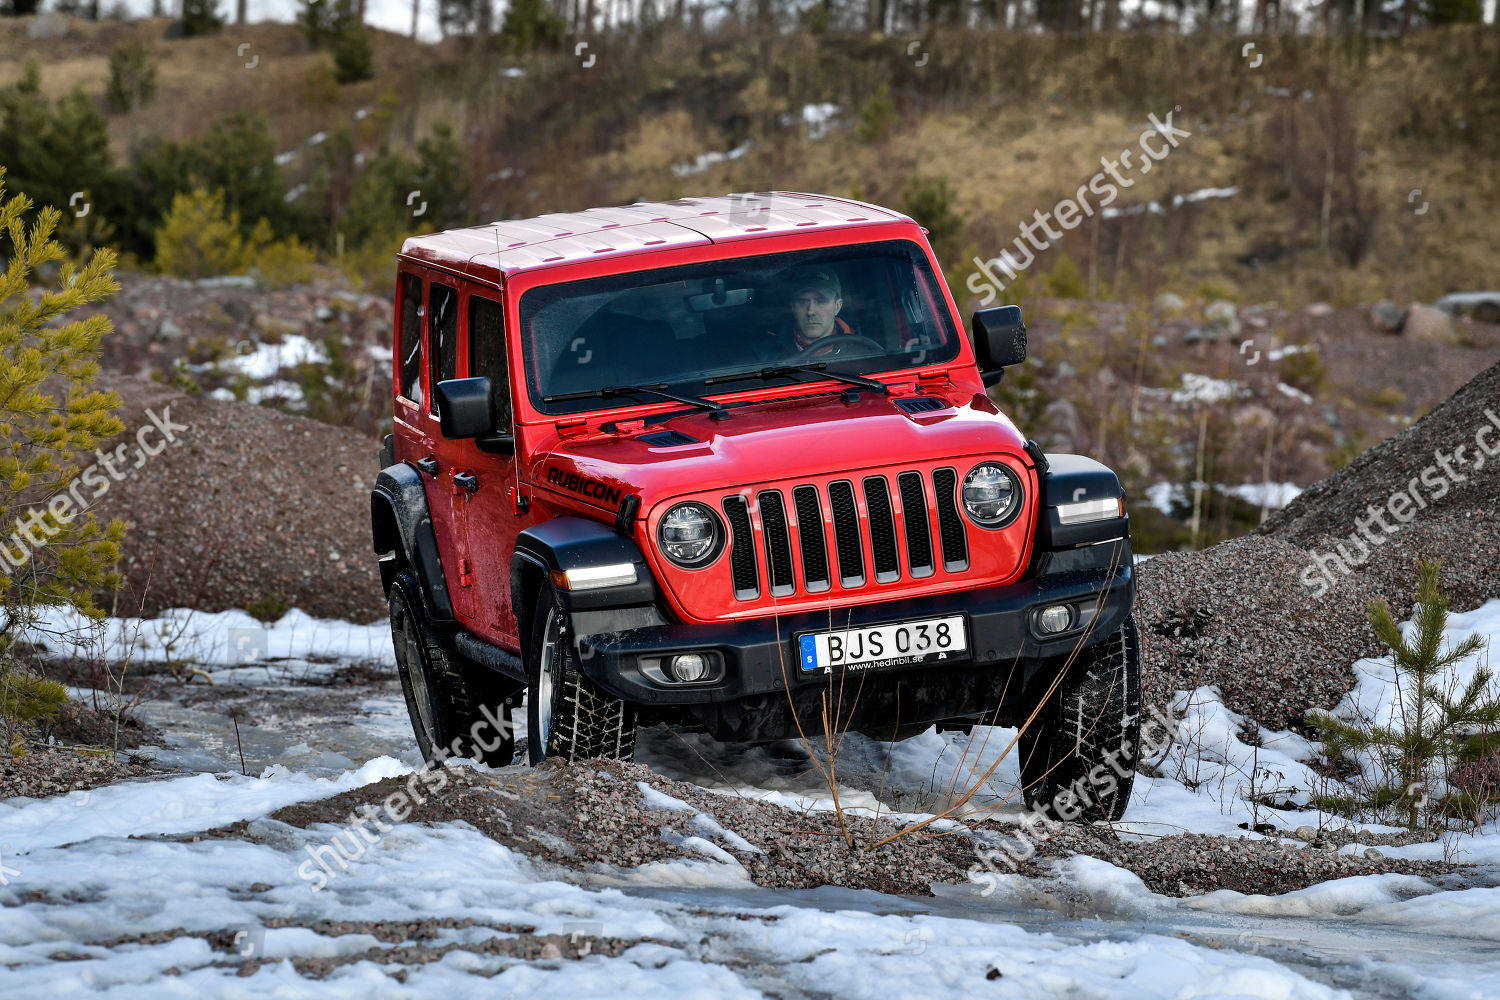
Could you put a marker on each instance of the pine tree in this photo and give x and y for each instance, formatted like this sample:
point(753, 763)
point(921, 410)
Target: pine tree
point(1434, 721)
point(51, 420)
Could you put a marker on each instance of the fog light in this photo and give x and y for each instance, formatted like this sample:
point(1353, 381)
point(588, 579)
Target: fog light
point(1054, 619)
point(689, 667)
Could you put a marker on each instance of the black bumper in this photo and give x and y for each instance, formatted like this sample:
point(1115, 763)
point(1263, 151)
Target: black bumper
point(763, 693)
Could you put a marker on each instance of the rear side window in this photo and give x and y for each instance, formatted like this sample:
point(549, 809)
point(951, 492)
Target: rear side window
point(442, 336)
point(487, 353)
point(409, 350)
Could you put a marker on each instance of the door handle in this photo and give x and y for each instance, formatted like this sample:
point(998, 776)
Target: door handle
point(428, 465)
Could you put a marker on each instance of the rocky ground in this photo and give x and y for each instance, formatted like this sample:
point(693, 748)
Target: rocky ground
point(1241, 615)
point(582, 816)
point(251, 508)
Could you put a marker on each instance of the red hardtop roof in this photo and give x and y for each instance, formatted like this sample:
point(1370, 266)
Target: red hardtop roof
point(491, 252)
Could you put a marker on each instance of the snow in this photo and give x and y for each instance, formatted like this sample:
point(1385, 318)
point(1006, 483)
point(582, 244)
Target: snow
point(1206, 389)
point(700, 163)
point(1163, 495)
point(820, 119)
point(235, 646)
point(129, 861)
point(1178, 200)
point(1273, 495)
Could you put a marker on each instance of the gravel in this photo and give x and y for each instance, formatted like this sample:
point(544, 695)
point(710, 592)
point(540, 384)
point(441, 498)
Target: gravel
point(584, 815)
point(1241, 616)
point(250, 505)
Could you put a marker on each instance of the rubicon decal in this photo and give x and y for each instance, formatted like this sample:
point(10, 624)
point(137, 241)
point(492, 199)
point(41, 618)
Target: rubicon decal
point(583, 485)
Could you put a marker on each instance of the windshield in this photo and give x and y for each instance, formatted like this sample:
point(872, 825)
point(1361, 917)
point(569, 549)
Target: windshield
point(872, 307)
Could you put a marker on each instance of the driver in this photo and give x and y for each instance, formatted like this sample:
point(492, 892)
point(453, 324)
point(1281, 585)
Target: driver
point(815, 301)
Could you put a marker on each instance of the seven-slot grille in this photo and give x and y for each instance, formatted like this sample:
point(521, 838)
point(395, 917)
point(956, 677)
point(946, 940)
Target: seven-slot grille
point(831, 534)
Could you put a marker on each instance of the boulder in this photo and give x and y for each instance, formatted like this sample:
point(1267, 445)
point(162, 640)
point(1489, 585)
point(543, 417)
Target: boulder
point(1387, 317)
point(1429, 323)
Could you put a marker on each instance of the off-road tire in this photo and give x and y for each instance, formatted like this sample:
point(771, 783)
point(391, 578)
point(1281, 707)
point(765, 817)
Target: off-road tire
point(1093, 721)
point(456, 690)
point(586, 721)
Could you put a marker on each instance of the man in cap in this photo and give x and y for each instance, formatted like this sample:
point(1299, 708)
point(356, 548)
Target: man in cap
point(815, 300)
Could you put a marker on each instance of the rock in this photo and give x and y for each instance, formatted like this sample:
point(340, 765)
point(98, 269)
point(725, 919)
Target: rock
point(1061, 420)
point(323, 314)
point(1371, 854)
point(168, 330)
point(1306, 833)
point(1223, 314)
point(1200, 334)
point(1387, 317)
point(1317, 310)
point(1169, 302)
point(1429, 323)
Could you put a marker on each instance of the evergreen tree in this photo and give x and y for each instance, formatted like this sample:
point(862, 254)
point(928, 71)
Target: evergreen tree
point(51, 422)
point(1434, 721)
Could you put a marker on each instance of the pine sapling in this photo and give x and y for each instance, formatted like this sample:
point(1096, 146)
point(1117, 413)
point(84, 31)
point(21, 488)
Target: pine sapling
point(1434, 716)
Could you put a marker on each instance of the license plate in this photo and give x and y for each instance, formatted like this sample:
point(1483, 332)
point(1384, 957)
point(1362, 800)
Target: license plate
point(900, 644)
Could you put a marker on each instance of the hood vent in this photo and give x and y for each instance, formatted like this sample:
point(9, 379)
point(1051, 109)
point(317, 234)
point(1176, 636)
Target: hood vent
point(666, 439)
point(921, 404)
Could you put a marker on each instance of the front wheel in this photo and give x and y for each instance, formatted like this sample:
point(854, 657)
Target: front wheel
point(568, 716)
point(1078, 757)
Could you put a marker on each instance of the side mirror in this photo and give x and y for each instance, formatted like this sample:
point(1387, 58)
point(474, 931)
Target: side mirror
point(999, 341)
point(466, 407)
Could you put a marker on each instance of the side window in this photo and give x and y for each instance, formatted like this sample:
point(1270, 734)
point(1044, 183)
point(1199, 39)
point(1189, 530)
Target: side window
point(487, 353)
point(410, 347)
point(442, 336)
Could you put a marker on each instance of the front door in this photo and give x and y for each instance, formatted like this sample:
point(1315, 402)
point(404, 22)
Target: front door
point(489, 503)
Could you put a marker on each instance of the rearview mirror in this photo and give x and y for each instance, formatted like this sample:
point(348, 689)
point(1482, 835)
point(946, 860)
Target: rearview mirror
point(999, 341)
point(466, 407)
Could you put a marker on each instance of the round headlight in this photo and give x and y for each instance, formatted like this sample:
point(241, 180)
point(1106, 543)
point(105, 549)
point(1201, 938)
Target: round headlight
point(991, 495)
point(690, 535)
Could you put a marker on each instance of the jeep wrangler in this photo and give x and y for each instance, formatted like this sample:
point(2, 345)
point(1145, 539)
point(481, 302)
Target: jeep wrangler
point(719, 461)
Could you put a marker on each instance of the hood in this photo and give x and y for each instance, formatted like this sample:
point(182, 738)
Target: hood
point(766, 441)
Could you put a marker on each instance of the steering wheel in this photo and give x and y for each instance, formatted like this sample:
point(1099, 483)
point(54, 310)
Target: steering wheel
point(839, 346)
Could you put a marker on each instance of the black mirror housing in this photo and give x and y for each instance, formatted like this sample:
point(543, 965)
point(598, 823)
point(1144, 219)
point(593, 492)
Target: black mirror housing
point(999, 341)
point(466, 407)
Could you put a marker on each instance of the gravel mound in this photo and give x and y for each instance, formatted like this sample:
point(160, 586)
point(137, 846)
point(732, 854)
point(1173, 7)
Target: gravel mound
point(1243, 615)
point(583, 815)
point(249, 506)
point(1193, 864)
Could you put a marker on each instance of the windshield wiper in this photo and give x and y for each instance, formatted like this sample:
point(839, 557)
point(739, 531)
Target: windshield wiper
point(657, 389)
point(812, 368)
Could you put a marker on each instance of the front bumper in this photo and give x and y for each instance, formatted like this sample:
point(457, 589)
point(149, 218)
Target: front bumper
point(763, 693)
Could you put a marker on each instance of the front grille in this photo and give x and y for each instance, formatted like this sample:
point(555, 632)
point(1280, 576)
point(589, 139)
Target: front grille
point(846, 533)
point(950, 525)
point(741, 549)
point(882, 530)
point(810, 535)
point(895, 540)
point(778, 544)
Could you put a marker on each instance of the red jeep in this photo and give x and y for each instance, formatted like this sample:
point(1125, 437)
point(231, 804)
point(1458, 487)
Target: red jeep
point(716, 461)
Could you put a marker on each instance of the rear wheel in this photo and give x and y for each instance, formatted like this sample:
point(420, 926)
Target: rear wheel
point(457, 708)
point(1087, 737)
point(568, 716)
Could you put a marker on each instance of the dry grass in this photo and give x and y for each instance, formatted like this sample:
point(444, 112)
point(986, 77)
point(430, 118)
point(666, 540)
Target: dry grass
point(1014, 123)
